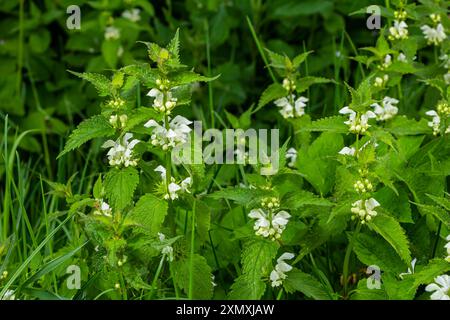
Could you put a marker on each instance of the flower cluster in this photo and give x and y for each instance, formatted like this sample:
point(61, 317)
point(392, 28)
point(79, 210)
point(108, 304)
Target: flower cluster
point(121, 151)
point(173, 189)
point(172, 135)
point(386, 110)
point(358, 123)
point(291, 155)
point(102, 208)
point(380, 82)
point(386, 62)
point(291, 107)
point(434, 35)
point(134, 15)
point(163, 102)
point(116, 103)
point(399, 30)
point(112, 33)
point(441, 113)
point(446, 64)
point(167, 249)
point(363, 186)
point(270, 223)
point(441, 288)
point(364, 209)
point(9, 295)
point(118, 121)
point(447, 246)
point(279, 273)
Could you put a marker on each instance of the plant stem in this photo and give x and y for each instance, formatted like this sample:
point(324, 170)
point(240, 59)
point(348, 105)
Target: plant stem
point(208, 59)
point(347, 259)
point(191, 258)
point(158, 271)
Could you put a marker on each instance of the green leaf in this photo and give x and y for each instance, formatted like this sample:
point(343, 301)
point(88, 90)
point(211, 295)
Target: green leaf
point(120, 185)
point(402, 126)
point(94, 127)
point(304, 83)
point(203, 220)
point(392, 232)
point(330, 124)
point(257, 259)
point(298, 60)
point(201, 273)
point(149, 213)
point(186, 77)
point(297, 200)
point(242, 196)
point(373, 250)
point(306, 284)
point(100, 82)
point(272, 92)
point(397, 204)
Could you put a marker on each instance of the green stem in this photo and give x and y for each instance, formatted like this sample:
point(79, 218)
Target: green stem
point(191, 258)
point(280, 294)
point(158, 271)
point(208, 59)
point(436, 241)
point(347, 259)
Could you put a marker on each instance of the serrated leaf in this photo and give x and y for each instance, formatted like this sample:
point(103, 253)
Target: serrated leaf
point(186, 77)
point(201, 273)
point(272, 92)
point(401, 126)
point(100, 82)
point(329, 124)
point(120, 185)
point(392, 232)
point(306, 284)
point(297, 200)
point(91, 128)
point(300, 58)
point(149, 213)
point(304, 83)
point(242, 196)
point(257, 259)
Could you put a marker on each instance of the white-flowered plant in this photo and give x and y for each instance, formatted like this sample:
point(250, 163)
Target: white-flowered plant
point(347, 151)
point(173, 135)
point(440, 117)
point(447, 246)
point(121, 151)
point(9, 295)
point(112, 33)
point(440, 289)
point(290, 107)
point(357, 123)
point(163, 102)
point(291, 156)
point(435, 35)
point(386, 110)
point(278, 275)
point(398, 31)
point(102, 208)
point(134, 15)
point(270, 223)
point(380, 82)
point(167, 249)
point(364, 209)
point(173, 189)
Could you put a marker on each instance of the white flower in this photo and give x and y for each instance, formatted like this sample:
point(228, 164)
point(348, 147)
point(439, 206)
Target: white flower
point(387, 109)
point(410, 270)
point(399, 30)
point(402, 57)
point(346, 151)
point(121, 152)
point(173, 189)
point(112, 33)
point(447, 78)
point(387, 62)
point(364, 209)
point(446, 59)
point(158, 102)
point(291, 155)
point(290, 111)
point(9, 295)
point(103, 208)
point(132, 15)
point(447, 246)
point(357, 123)
point(381, 81)
point(441, 288)
point(167, 249)
point(435, 123)
point(176, 135)
point(279, 273)
point(434, 35)
point(269, 224)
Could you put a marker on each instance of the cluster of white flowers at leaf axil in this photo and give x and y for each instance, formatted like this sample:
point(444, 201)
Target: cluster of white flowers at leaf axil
point(447, 246)
point(358, 123)
point(121, 151)
point(386, 110)
point(440, 289)
point(270, 223)
point(441, 114)
point(167, 249)
point(399, 30)
point(364, 209)
point(102, 208)
point(434, 35)
point(134, 15)
point(278, 275)
point(290, 106)
point(173, 189)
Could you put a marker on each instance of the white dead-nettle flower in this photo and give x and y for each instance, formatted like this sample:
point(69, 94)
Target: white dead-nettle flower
point(447, 246)
point(289, 109)
point(162, 103)
point(269, 224)
point(278, 275)
point(446, 59)
point(441, 288)
point(434, 35)
point(358, 123)
point(167, 249)
point(410, 270)
point(348, 151)
point(121, 152)
point(447, 78)
point(288, 84)
point(9, 295)
point(387, 62)
point(386, 110)
point(399, 30)
point(134, 15)
point(112, 33)
point(435, 123)
point(176, 135)
point(174, 188)
point(402, 57)
point(118, 121)
point(364, 209)
point(291, 155)
point(102, 208)
point(381, 81)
